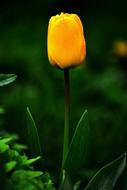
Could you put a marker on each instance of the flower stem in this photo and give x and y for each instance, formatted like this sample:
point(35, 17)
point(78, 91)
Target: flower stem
point(67, 114)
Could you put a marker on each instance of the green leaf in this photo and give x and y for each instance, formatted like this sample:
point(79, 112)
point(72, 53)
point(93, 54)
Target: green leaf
point(7, 78)
point(19, 147)
point(33, 138)
point(14, 155)
point(6, 140)
point(26, 180)
point(77, 150)
point(26, 161)
point(106, 177)
point(10, 165)
point(66, 182)
point(30, 161)
point(20, 174)
point(30, 180)
point(3, 147)
point(76, 185)
point(48, 184)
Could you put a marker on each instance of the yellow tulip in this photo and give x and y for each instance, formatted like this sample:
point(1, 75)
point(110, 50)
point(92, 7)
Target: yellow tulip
point(66, 43)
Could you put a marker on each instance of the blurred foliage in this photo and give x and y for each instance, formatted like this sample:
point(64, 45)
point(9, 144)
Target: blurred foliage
point(16, 170)
point(100, 85)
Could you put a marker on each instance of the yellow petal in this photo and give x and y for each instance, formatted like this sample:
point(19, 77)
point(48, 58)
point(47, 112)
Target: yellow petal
point(66, 42)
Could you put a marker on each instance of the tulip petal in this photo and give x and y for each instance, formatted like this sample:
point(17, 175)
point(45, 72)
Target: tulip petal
point(66, 42)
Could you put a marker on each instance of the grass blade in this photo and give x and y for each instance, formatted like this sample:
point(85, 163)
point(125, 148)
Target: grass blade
point(7, 79)
point(33, 138)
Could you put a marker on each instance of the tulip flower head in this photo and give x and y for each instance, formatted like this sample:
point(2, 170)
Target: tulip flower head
point(66, 42)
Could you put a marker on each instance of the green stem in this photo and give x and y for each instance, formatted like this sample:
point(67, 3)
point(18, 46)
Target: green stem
point(67, 114)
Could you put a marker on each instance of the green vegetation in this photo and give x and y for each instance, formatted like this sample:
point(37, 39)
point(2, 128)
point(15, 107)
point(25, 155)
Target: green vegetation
point(98, 86)
point(17, 171)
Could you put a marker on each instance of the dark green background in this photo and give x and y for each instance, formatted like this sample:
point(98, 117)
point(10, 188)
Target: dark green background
point(100, 85)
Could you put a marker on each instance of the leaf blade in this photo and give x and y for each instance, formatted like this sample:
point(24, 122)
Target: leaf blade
point(66, 183)
point(107, 176)
point(34, 140)
point(7, 79)
point(74, 158)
